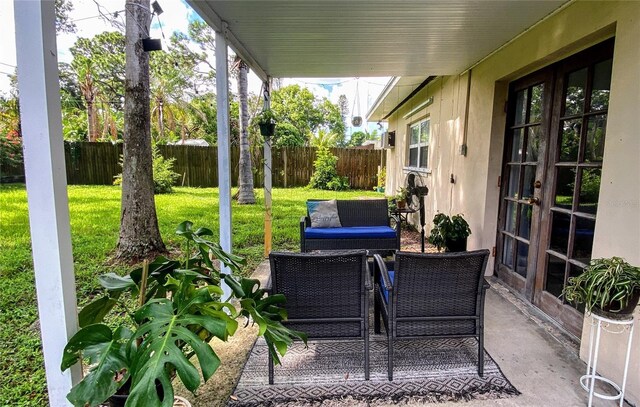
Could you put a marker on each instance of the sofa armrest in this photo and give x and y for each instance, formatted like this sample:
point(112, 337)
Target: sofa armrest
point(397, 228)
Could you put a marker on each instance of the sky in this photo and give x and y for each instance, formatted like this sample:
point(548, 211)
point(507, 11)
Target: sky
point(176, 17)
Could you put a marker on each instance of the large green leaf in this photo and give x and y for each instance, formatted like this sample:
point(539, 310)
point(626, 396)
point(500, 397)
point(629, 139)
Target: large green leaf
point(94, 312)
point(165, 331)
point(114, 282)
point(109, 365)
point(267, 312)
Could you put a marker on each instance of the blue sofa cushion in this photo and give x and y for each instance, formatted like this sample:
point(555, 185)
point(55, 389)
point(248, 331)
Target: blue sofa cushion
point(384, 291)
point(353, 232)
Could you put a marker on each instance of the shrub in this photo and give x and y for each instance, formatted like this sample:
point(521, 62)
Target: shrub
point(10, 149)
point(163, 175)
point(382, 177)
point(326, 175)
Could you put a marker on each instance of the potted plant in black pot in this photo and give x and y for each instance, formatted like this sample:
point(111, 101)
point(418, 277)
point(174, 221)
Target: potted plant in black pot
point(266, 120)
point(449, 233)
point(142, 332)
point(609, 287)
point(401, 198)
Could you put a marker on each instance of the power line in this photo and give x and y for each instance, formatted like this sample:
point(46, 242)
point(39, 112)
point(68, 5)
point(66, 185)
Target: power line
point(108, 14)
point(115, 14)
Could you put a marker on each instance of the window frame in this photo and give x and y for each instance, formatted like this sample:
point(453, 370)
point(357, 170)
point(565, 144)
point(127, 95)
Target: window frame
point(419, 145)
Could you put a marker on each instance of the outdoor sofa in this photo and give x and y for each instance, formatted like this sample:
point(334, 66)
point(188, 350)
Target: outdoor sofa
point(436, 295)
point(364, 225)
point(327, 295)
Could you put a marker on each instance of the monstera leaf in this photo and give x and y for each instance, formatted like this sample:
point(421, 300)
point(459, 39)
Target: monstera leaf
point(205, 246)
point(106, 352)
point(181, 312)
point(95, 311)
point(267, 312)
point(165, 331)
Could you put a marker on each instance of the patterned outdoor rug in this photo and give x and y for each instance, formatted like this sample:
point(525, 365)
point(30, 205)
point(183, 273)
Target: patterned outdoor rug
point(432, 370)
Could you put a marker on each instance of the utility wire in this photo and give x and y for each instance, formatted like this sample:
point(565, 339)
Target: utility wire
point(107, 16)
point(12, 66)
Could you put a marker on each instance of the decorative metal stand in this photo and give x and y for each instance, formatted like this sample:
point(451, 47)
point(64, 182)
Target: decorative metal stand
point(588, 381)
point(402, 214)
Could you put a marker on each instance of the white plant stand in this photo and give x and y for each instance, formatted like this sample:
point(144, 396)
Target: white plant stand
point(588, 381)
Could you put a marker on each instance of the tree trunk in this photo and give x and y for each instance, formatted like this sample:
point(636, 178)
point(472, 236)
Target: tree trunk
point(245, 178)
point(161, 119)
point(139, 234)
point(92, 119)
point(89, 92)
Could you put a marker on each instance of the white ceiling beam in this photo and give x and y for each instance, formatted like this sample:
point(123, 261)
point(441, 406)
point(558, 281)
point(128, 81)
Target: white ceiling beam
point(213, 19)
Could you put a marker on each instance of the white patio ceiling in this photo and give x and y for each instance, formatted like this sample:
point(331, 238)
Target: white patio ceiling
point(328, 38)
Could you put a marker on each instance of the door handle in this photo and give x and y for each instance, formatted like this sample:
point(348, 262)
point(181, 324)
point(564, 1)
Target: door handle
point(534, 201)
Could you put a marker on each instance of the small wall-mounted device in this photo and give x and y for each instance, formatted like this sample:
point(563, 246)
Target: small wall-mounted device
point(391, 139)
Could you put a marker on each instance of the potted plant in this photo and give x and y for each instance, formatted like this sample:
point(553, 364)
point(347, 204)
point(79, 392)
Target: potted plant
point(449, 233)
point(401, 197)
point(609, 287)
point(266, 120)
point(143, 331)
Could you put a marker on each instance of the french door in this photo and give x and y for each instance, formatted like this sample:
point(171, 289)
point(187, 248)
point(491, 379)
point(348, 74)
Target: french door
point(556, 128)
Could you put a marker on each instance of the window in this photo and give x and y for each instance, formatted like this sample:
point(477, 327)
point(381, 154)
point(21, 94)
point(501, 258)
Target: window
point(419, 144)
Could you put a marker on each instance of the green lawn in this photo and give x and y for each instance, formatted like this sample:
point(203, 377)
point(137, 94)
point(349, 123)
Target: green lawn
point(95, 214)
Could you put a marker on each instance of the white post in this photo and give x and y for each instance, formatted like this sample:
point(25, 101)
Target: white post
point(47, 189)
point(267, 175)
point(224, 150)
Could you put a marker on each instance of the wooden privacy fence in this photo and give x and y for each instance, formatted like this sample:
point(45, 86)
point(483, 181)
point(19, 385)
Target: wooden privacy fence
point(98, 163)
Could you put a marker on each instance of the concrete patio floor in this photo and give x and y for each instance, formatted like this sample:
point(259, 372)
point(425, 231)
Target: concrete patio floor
point(539, 359)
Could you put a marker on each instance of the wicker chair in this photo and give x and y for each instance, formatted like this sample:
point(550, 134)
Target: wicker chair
point(327, 295)
point(434, 295)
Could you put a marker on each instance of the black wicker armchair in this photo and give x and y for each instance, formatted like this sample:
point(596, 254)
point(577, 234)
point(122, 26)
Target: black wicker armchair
point(327, 295)
point(435, 295)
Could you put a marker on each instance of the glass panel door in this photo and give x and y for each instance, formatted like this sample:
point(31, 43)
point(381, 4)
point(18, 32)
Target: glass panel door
point(578, 132)
point(550, 184)
point(520, 181)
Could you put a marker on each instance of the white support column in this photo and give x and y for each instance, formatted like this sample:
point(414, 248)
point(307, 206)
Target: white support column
point(267, 175)
point(47, 189)
point(224, 149)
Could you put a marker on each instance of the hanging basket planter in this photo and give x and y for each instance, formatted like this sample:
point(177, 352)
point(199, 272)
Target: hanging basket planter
point(267, 129)
point(356, 121)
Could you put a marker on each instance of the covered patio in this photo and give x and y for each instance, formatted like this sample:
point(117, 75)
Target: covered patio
point(540, 360)
point(410, 41)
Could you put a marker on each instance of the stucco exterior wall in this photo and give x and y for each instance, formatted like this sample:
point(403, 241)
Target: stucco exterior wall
point(475, 192)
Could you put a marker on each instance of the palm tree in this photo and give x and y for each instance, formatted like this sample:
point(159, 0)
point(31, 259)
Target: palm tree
point(89, 93)
point(245, 177)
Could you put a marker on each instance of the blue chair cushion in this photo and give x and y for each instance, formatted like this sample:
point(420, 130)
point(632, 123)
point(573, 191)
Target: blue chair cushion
point(384, 291)
point(353, 232)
